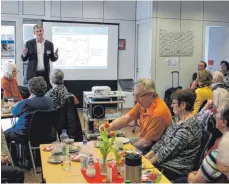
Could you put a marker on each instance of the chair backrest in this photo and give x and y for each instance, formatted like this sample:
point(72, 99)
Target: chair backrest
point(24, 91)
point(205, 140)
point(74, 128)
point(42, 127)
point(211, 127)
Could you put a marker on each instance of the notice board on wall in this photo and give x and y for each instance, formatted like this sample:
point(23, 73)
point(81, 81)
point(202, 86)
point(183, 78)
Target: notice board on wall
point(176, 43)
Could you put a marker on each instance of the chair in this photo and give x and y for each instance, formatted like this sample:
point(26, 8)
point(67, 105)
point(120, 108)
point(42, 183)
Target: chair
point(205, 140)
point(24, 91)
point(211, 127)
point(42, 130)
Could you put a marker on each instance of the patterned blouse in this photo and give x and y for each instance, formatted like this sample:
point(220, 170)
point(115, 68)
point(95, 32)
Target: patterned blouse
point(4, 147)
point(177, 148)
point(59, 94)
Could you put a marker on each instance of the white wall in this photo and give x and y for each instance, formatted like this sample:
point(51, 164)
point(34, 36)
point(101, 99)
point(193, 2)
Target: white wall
point(122, 12)
point(183, 15)
point(218, 48)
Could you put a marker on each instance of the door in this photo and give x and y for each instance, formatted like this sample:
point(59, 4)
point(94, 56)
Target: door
point(144, 32)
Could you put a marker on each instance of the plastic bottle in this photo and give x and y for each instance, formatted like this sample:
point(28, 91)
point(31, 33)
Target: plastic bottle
point(63, 137)
point(91, 172)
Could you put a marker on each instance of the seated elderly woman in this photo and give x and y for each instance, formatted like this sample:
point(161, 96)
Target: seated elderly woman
point(219, 96)
point(176, 150)
point(204, 91)
point(9, 83)
point(209, 170)
point(37, 101)
point(59, 92)
point(217, 80)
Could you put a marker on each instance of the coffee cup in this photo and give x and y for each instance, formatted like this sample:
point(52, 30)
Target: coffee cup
point(11, 101)
point(56, 155)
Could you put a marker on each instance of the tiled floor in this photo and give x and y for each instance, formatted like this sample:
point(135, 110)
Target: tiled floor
point(29, 175)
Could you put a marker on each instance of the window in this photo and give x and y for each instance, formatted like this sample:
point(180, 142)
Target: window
point(7, 43)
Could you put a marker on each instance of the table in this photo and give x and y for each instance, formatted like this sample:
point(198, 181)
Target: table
point(5, 116)
point(8, 116)
point(54, 173)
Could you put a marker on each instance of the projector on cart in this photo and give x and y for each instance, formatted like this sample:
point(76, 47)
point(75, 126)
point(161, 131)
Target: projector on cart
point(101, 91)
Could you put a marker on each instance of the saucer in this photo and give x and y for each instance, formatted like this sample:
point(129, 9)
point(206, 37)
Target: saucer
point(52, 161)
point(74, 149)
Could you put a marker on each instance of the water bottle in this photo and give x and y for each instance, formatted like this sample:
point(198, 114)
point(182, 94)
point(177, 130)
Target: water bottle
point(91, 172)
point(66, 162)
point(63, 137)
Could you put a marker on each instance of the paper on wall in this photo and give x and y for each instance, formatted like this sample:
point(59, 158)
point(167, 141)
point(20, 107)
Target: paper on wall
point(173, 62)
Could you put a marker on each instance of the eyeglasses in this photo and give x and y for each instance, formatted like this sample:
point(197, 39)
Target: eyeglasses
point(174, 103)
point(138, 96)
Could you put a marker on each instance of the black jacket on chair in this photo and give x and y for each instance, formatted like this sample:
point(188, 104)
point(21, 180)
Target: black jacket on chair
point(69, 120)
point(31, 45)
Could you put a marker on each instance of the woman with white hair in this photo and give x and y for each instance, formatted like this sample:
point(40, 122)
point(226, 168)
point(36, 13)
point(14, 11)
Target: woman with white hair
point(9, 83)
point(217, 80)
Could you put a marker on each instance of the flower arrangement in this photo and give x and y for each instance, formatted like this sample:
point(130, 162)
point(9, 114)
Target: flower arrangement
point(106, 144)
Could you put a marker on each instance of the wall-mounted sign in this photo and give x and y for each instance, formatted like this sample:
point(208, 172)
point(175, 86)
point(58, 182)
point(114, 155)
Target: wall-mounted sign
point(211, 62)
point(122, 44)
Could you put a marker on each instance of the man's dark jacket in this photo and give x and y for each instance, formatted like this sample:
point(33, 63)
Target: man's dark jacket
point(31, 45)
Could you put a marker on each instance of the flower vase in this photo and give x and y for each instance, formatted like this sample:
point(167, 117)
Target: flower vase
point(103, 167)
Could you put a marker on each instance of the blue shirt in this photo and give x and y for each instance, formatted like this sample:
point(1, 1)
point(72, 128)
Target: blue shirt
point(26, 106)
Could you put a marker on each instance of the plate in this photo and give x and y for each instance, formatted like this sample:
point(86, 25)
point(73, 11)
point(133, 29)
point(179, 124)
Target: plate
point(75, 158)
point(52, 161)
point(124, 140)
point(48, 148)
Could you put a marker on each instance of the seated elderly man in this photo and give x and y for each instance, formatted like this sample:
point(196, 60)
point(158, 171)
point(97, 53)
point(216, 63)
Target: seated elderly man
point(175, 152)
point(37, 101)
point(152, 112)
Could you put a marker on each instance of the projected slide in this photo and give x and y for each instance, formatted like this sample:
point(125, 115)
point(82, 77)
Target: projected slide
point(80, 47)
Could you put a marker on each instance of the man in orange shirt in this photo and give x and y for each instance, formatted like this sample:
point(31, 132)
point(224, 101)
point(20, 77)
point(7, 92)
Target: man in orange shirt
point(152, 112)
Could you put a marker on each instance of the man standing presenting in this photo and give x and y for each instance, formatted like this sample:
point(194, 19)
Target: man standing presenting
point(39, 51)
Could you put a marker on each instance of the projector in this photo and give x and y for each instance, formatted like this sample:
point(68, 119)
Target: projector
point(101, 90)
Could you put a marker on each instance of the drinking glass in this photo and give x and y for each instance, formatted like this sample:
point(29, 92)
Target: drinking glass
point(10, 102)
point(66, 164)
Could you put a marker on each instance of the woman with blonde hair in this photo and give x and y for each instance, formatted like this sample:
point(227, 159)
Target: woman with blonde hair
point(204, 91)
point(9, 83)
